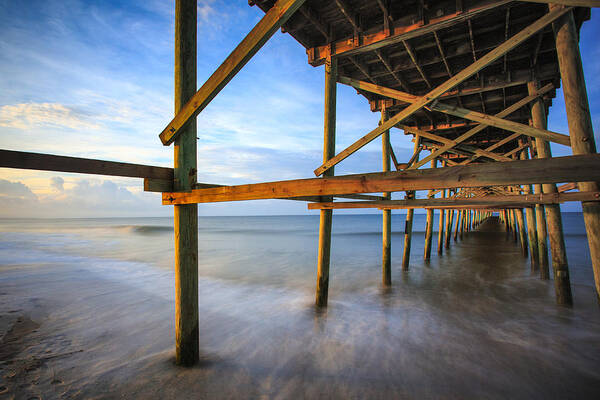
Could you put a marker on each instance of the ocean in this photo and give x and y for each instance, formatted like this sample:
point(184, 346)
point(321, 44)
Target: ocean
point(474, 322)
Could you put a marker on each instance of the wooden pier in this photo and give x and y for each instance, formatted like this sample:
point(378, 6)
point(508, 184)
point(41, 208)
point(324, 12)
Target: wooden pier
point(471, 82)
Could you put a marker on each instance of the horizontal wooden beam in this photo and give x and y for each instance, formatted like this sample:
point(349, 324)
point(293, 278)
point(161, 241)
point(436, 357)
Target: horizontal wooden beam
point(162, 185)
point(248, 47)
point(49, 162)
point(371, 41)
point(582, 168)
point(457, 79)
point(520, 200)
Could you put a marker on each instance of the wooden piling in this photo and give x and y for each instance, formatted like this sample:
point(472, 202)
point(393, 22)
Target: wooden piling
point(185, 216)
point(441, 223)
point(457, 227)
point(386, 259)
point(522, 231)
point(463, 219)
point(581, 130)
point(429, 224)
point(515, 225)
point(560, 267)
point(326, 217)
point(409, 217)
point(449, 222)
point(530, 218)
point(538, 120)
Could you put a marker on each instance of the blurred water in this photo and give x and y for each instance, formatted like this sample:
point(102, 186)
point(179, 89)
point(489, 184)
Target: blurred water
point(473, 322)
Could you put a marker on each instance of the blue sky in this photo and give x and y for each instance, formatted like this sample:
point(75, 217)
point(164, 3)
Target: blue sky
point(95, 79)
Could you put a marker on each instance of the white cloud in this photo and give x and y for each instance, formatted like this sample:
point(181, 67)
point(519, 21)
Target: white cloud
point(33, 115)
point(15, 193)
point(86, 197)
point(57, 183)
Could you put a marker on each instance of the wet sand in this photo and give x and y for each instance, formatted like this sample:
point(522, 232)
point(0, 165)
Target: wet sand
point(475, 324)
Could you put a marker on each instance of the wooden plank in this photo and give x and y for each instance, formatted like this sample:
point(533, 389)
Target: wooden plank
point(371, 41)
point(472, 69)
point(248, 47)
point(559, 169)
point(515, 200)
point(50, 162)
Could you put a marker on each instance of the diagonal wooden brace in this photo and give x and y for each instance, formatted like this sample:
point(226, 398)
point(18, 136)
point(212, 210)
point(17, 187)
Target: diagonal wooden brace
point(258, 36)
point(484, 119)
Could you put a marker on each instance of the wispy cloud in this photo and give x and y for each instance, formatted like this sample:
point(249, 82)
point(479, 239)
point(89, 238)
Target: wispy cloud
point(33, 115)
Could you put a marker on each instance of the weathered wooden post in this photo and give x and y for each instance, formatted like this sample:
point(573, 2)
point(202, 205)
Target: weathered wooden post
point(463, 218)
point(185, 216)
point(514, 223)
point(580, 124)
point(449, 222)
point(530, 218)
point(326, 217)
point(409, 219)
point(538, 120)
point(440, 242)
point(458, 223)
point(386, 259)
point(429, 224)
point(560, 267)
point(522, 231)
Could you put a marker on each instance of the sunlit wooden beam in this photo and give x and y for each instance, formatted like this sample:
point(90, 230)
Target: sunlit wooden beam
point(583, 168)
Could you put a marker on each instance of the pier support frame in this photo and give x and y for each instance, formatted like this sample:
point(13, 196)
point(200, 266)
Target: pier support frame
point(186, 215)
point(326, 218)
point(580, 123)
point(386, 256)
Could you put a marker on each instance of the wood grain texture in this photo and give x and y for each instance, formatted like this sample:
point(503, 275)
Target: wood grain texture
point(580, 125)
point(185, 216)
point(559, 169)
point(49, 162)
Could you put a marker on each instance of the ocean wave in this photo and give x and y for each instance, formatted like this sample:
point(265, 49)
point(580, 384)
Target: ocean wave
point(146, 229)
